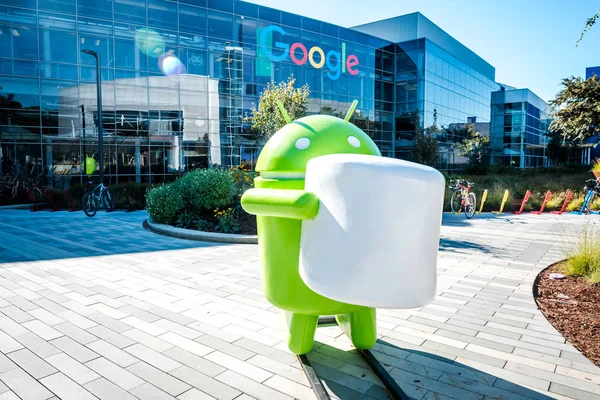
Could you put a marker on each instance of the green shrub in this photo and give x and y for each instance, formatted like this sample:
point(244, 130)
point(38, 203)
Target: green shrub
point(583, 257)
point(227, 221)
point(206, 190)
point(164, 204)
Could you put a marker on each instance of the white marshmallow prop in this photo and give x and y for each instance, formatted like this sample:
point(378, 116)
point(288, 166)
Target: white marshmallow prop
point(375, 239)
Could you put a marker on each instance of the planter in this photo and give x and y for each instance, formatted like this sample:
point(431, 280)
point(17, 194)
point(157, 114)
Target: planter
point(200, 236)
point(596, 174)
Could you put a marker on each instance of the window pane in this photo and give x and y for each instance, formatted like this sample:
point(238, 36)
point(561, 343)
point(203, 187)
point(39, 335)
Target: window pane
point(125, 52)
point(58, 46)
point(101, 45)
point(67, 6)
point(95, 8)
point(19, 16)
point(19, 92)
point(162, 14)
point(60, 71)
point(192, 19)
point(22, 40)
point(133, 11)
point(220, 25)
point(222, 5)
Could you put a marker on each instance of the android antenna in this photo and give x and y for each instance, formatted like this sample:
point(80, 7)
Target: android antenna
point(351, 110)
point(283, 112)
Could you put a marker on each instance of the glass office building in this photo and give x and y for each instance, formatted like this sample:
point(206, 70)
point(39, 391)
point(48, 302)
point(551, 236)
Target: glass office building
point(178, 77)
point(519, 129)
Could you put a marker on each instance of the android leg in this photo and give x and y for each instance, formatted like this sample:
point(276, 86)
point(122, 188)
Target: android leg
point(360, 327)
point(301, 332)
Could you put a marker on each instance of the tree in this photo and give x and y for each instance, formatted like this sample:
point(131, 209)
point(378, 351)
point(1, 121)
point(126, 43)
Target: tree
point(576, 108)
point(472, 144)
point(425, 149)
point(267, 119)
point(559, 149)
point(588, 25)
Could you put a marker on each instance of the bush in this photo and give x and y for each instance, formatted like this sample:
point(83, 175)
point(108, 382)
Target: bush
point(583, 257)
point(164, 204)
point(206, 190)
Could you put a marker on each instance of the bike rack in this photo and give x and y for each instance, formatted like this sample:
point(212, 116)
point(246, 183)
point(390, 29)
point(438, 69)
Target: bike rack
point(68, 196)
point(586, 200)
point(483, 198)
point(546, 198)
point(503, 202)
point(31, 198)
point(51, 200)
point(564, 206)
point(525, 200)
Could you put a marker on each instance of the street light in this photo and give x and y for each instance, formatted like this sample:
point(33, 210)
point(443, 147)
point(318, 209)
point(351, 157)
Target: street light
point(99, 100)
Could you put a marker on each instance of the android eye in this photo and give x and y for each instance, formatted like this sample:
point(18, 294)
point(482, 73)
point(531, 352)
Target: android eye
point(302, 143)
point(354, 142)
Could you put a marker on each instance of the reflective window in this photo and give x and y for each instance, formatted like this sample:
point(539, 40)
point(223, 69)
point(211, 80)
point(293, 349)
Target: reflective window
point(18, 42)
point(20, 92)
point(270, 15)
point(58, 71)
point(163, 14)
point(95, 8)
point(245, 9)
point(220, 25)
point(102, 45)
point(19, 16)
point(58, 46)
point(20, 3)
point(133, 11)
point(192, 19)
point(66, 6)
point(222, 5)
point(125, 54)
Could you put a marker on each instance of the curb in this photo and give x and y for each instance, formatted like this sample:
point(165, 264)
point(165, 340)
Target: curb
point(17, 207)
point(201, 236)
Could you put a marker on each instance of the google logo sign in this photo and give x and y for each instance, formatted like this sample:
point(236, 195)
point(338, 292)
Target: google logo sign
point(336, 62)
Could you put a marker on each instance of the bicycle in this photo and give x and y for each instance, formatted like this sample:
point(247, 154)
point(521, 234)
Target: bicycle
point(462, 197)
point(94, 199)
point(594, 186)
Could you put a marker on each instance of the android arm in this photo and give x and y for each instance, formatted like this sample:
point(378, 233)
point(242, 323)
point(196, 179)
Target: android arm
point(294, 204)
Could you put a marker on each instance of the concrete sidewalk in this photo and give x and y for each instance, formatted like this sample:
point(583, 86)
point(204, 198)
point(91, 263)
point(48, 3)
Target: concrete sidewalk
point(100, 308)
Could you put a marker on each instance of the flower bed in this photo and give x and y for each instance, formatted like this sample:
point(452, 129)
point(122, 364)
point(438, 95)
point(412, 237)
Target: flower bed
point(205, 200)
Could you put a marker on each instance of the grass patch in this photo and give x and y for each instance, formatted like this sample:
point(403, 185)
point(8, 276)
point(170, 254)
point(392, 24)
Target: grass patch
point(538, 181)
point(583, 256)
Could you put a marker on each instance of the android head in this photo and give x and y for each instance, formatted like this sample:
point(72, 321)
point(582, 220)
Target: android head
point(285, 155)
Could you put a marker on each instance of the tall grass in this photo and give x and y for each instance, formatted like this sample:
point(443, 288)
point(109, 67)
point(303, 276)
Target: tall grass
point(583, 256)
point(517, 184)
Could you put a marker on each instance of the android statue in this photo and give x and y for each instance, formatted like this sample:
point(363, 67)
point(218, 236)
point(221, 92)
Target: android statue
point(281, 204)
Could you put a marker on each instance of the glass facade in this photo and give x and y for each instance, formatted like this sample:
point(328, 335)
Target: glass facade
point(178, 77)
point(519, 129)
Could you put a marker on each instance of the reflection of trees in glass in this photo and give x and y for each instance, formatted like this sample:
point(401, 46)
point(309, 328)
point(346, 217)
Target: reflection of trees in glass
point(425, 148)
point(469, 142)
point(13, 113)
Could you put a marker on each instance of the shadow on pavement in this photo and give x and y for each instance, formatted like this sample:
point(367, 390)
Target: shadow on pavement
point(462, 246)
point(420, 375)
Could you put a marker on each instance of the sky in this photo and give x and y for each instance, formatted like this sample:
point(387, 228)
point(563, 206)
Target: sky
point(531, 43)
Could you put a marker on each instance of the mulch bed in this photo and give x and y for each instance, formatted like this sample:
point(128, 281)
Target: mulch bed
point(572, 306)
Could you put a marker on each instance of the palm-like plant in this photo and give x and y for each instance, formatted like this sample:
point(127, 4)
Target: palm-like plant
point(20, 179)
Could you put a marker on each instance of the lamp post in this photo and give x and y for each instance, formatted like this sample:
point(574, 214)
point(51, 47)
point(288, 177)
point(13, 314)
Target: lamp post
point(99, 100)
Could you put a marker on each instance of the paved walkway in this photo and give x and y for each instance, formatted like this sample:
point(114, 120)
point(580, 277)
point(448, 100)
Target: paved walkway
point(99, 307)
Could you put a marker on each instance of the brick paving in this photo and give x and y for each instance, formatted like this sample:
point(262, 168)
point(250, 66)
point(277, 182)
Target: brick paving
point(100, 308)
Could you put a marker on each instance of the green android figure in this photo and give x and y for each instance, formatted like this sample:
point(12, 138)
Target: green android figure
point(280, 203)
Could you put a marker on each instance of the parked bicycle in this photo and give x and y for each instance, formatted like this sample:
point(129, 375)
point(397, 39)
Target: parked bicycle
point(594, 186)
point(96, 198)
point(462, 197)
